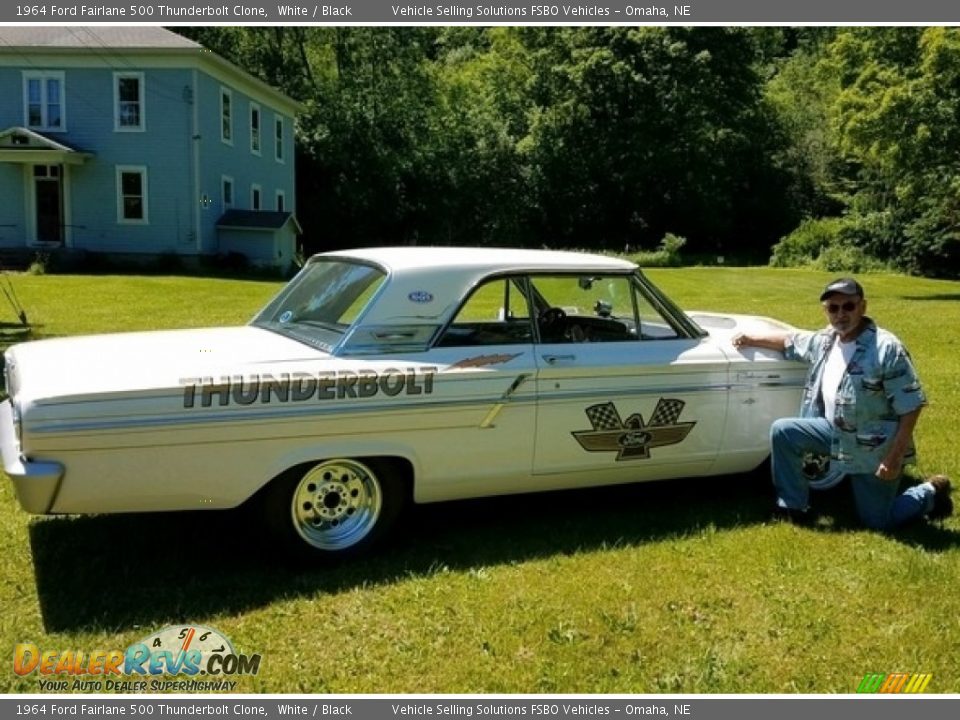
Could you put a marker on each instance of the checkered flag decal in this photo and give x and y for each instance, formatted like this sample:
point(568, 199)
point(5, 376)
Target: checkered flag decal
point(667, 412)
point(605, 417)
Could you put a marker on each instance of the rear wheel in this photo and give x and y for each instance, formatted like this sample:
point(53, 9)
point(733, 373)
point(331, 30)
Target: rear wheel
point(335, 509)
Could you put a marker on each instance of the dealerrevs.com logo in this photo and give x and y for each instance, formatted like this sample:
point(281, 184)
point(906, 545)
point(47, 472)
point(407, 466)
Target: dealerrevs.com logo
point(204, 656)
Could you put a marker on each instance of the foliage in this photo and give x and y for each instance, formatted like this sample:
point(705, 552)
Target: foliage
point(667, 253)
point(873, 115)
point(602, 137)
point(585, 137)
point(39, 264)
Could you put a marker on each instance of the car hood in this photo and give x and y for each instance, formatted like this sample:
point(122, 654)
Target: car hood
point(69, 368)
point(723, 326)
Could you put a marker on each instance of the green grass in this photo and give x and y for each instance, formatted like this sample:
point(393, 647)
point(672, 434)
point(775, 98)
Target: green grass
point(666, 587)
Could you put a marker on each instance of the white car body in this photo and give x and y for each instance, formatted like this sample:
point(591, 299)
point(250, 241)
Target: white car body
point(177, 420)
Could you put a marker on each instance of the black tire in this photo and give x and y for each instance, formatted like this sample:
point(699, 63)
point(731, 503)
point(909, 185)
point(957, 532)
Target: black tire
point(335, 509)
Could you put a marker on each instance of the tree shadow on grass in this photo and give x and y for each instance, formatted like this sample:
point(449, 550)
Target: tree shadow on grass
point(123, 572)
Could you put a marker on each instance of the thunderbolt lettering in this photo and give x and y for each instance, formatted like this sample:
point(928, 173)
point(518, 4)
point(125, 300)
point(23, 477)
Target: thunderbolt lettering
point(301, 387)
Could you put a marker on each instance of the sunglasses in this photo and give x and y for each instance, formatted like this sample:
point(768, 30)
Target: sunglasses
point(834, 308)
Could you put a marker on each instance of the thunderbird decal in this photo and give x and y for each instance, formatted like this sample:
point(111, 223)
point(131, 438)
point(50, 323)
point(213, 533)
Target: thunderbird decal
point(633, 439)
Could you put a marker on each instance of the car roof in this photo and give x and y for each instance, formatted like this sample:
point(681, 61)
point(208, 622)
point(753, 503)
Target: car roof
point(481, 260)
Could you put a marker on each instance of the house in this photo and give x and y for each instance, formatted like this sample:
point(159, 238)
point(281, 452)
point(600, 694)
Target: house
point(135, 141)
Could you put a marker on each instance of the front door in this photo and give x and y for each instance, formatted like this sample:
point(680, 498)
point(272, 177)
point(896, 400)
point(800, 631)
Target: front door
point(622, 394)
point(48, 196)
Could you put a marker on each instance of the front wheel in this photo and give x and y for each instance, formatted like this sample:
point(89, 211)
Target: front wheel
point(337, 508)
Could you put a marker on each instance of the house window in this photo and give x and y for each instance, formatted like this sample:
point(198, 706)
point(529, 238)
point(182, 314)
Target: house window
point(256, 194)
point(226, 192)
point(128, 101)
point(281, 201)
point(226, 116)
point(254, 128)
point(43, 96)
point(278, 135)
point(132, 195)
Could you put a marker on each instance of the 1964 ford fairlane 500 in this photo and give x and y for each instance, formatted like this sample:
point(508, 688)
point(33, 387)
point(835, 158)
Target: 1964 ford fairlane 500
point(382, 376)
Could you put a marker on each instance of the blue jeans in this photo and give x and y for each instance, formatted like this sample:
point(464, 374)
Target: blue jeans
point(878, 504)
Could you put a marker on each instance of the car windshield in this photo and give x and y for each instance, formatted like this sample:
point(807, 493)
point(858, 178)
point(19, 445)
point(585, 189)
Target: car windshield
point(322, 301)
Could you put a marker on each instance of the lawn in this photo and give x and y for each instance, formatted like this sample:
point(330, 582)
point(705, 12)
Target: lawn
point(667, 587)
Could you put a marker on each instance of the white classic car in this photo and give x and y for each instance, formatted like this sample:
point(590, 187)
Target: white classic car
point(382, 376)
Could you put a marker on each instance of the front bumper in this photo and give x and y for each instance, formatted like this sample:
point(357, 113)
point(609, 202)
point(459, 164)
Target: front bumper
point(36, 483)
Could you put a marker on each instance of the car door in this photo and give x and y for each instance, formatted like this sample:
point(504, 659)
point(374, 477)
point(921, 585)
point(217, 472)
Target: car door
point(485, 388)
point(624, 391)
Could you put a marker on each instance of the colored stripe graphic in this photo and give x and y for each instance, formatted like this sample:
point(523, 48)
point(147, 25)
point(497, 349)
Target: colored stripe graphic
point(894, 683)
point(919, 683)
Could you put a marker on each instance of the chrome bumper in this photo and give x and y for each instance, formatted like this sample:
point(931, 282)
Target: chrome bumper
point(36, 483)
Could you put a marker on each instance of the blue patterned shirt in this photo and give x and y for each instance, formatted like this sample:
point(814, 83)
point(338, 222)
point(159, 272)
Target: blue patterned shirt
point(878, 385)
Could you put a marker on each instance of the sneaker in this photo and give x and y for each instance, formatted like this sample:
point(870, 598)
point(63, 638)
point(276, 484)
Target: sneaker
point(942, 502)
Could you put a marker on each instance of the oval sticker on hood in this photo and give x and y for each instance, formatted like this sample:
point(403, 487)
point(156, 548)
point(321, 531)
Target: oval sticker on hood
point(420, 296)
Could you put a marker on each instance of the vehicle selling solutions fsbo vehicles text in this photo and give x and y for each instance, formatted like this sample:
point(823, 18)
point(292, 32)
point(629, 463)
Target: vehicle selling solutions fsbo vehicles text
point(536, 11)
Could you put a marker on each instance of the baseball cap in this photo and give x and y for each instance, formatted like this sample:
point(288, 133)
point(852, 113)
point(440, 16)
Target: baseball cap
point(844, 286)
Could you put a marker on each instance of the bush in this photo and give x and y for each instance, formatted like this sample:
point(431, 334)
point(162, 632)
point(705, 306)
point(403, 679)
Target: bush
point(667, 253)
point(847, 259)
point(804, 245)
point(39, 264)
point(837, 244)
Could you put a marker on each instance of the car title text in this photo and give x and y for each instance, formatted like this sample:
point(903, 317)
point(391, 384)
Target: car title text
point(301, 386)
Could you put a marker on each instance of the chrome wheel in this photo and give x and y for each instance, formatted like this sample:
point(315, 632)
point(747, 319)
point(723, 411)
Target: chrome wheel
point(336, 504)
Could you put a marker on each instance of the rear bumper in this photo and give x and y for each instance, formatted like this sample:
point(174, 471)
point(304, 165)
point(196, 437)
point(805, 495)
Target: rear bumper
point(36, 483)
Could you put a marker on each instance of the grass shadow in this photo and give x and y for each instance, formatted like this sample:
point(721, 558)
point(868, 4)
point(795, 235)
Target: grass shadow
point(118, 572)
point(939, 296)
point(834, 511)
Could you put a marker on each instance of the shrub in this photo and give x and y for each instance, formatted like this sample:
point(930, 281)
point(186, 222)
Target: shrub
point(847, 259)
point(804, 245)
point(39, 264)
point(667, 253)
point(836, 244)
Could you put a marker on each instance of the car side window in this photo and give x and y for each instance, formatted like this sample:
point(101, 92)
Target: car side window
point(653, 323)
point(495, 314)
point(584, 308)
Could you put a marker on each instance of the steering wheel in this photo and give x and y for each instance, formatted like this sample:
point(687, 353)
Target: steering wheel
point(554, 327)
point(552, 317)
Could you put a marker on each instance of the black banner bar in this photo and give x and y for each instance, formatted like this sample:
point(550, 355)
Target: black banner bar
point(502, 11)
point(876, 707)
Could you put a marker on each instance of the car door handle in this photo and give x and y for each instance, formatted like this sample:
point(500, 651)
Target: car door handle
point(554, 359)
point(757, 376)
